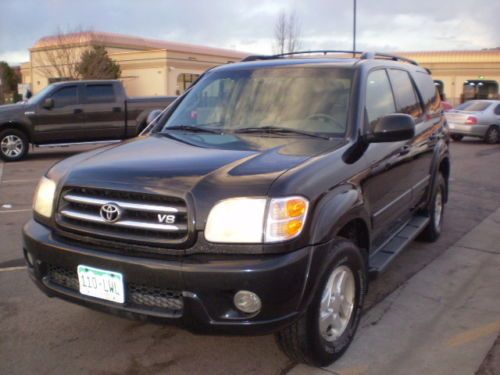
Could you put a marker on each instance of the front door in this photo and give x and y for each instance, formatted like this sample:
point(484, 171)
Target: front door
point(63, 122)
point(388, 186)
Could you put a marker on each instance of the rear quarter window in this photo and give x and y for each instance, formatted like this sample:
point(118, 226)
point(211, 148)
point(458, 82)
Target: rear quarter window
point(429, 92)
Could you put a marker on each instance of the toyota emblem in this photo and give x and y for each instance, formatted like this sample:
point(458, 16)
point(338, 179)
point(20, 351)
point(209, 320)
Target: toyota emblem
point(110, 212)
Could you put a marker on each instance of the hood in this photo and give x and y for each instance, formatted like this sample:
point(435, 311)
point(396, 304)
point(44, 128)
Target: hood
point(17, 107)
point(183, 163)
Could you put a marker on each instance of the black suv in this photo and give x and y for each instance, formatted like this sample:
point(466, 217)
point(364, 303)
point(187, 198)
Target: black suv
point(261, 201)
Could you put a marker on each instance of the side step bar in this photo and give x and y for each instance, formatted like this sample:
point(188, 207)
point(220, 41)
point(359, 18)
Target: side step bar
point(388, 251)
point(50, 145)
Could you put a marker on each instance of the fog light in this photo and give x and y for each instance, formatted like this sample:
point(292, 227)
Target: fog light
point(247, 302)
point(29, 258)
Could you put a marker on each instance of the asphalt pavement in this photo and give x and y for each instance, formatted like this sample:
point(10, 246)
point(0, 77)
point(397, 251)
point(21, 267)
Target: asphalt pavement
point(422, 305)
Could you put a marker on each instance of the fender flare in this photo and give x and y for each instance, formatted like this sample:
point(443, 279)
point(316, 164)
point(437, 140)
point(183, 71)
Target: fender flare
point(336, 208)
point(441, 153)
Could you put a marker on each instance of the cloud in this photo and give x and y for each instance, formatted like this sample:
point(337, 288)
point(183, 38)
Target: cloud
point(248, 25)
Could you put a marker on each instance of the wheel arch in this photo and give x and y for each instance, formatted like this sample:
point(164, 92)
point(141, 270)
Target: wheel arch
point(17, 126)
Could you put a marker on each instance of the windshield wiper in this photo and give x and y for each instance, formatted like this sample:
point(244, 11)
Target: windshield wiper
point(277, 129)
point(192, 128)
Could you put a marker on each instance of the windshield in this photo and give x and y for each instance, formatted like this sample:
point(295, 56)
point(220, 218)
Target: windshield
point(40, 95)
point(473, 106)
point(311, 100)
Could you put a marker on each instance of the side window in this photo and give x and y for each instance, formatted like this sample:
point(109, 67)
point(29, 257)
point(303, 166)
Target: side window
point(429, 92)
point(99, 93)
point(379, 100)
point(497, 110)
point(65, 96)
point(406, 98)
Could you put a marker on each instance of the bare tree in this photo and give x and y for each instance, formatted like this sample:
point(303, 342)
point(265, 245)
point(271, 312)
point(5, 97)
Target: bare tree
point(60, 55)
point(287, 33)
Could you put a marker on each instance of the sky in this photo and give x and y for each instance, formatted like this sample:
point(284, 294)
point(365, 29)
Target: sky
point(383, 25)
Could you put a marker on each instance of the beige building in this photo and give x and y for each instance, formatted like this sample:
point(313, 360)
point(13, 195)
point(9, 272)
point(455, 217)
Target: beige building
point(463, 73)
point(156, 67)
point(148, 66)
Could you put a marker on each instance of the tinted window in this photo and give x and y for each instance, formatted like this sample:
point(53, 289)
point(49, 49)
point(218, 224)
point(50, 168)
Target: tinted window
point(473, 106)
point(65, 96)
point(429, 92)
point(497, 110)
point(99, 94)
point(379, 99)
point(406, 97)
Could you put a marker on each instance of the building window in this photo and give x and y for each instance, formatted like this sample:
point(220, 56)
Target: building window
point(185, 80)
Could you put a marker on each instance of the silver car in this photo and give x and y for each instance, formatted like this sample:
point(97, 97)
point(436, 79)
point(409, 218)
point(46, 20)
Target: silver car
point(475, 118)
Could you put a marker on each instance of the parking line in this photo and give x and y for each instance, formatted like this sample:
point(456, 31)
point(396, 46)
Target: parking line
point(1, 170)
point(473, 334)
point(12, 211)
point(19, 181)
point(7, 269)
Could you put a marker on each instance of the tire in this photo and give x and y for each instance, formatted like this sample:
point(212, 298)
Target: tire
point(305, 340)
point(457, 137)
point(14, 145)
point(492, 135)
point(435, 211)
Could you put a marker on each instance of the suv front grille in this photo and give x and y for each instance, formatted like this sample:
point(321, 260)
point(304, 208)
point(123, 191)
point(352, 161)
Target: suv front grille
point(123, 217)
point(137, 295)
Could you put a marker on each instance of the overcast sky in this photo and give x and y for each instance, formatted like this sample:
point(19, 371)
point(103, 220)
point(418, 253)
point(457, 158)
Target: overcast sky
point(385, 25)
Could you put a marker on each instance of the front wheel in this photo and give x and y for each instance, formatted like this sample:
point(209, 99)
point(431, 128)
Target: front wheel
point(436, 210)
point(13, 145)
point(326, 330)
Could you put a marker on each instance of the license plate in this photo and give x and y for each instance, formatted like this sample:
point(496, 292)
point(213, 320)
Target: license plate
point(101, 284)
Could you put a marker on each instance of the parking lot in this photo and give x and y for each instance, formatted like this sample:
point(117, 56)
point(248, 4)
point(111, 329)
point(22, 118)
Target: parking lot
point(42, 335)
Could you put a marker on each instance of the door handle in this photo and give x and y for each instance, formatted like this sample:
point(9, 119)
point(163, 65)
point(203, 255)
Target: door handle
point(116, 109)
point(77, 111)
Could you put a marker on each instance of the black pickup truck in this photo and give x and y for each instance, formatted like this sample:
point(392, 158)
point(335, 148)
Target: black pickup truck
point(262, 201)
point(74, 112)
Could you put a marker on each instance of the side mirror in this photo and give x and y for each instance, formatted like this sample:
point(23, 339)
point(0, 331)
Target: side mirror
point(48, 103)
point(392, 128)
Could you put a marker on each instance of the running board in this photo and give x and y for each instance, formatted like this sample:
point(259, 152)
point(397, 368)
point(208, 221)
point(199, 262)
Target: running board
point(50, 145)
point(388, 251)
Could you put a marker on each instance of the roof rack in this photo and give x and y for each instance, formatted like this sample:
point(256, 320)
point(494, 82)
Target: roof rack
point(362, 55)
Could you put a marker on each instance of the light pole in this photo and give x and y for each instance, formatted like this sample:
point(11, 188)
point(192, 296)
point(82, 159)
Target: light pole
point(354, 29)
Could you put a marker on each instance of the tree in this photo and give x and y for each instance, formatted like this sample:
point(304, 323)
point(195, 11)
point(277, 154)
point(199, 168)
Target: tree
point(287, 33)
point(8, 81)
point(60, 54)
point(96, 64)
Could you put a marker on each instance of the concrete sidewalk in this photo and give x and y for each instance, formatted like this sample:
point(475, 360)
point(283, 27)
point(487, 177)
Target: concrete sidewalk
point(444, 320)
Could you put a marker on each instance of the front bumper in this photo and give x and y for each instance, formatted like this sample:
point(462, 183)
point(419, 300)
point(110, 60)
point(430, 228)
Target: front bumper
point(468, 130)
point(205, 284)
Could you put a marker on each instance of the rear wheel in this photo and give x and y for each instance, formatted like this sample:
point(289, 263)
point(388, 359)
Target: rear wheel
point(492, 135)
point(13, 145)
point(457, 137)
point(325, 332)
point(436, 210)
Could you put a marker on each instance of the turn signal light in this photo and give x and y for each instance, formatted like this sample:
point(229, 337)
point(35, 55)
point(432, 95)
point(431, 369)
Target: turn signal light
point(286, 218)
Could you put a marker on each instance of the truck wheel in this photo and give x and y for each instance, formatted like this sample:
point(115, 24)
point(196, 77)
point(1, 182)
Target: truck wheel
point(457, 137)
point(13, 145)
point(327, 328)
point(436, 210)
point(492, 135)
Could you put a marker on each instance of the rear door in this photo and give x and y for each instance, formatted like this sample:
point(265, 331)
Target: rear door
point(104, 111)
point(62, 123)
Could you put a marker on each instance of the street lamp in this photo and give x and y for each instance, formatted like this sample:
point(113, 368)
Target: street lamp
point(354, 29)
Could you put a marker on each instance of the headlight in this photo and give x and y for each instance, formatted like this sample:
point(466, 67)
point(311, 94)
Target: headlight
point(245, 220)
point(44, 197)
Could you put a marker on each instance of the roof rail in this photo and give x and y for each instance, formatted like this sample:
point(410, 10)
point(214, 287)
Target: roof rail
point(362, 55)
